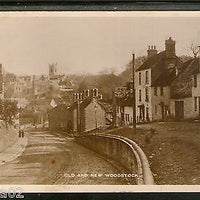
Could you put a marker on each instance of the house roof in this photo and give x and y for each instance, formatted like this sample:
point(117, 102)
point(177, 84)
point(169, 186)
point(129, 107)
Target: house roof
point(125, 101)
point(182, 85)
point(107, 107)
point(161, 74)
point(59, 107)
point(152, 61)
point(73, 106)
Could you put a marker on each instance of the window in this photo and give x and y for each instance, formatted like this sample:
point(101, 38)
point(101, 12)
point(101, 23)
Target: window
point(161, 91)
point(140, 95)
point(156, 110)
point(195, 80)
point(147, 113)
point(140, 78)
point(146, 77)
point(155, 91)
point(195, 103)
point(146, 94)
point(127, 117)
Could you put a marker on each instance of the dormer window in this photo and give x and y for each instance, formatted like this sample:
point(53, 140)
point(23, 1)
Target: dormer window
point(171, 66)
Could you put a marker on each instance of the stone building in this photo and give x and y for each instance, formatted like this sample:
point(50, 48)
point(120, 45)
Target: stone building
point(124, 112)
point(124, 105)
point(152, 83)
point(185, 91)
point(53, 71)
point(89, 113)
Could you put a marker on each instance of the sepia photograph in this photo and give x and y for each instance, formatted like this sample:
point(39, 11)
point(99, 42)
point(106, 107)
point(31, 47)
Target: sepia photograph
point(99, 98)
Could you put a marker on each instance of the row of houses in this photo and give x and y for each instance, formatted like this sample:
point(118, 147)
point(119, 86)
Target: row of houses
point(88, 112)
point(165, 89)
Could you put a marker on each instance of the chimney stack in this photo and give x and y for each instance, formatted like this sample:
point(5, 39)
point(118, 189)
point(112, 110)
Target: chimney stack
point(86, 93)
point(170, 48)
point(151, 51)
point(76, 96)
point(95, 92)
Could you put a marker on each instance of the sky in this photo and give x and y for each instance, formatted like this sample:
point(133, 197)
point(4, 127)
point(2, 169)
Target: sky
point(88, 44)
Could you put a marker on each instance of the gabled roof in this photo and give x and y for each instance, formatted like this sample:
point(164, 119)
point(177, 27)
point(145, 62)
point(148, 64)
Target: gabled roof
point(73, 106)
point(126, 100)
point(59, 107)
point(152, 61)
point(107, 107)
point(182, 85)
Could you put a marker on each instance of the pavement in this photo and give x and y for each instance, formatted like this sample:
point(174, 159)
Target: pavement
point(13, 151)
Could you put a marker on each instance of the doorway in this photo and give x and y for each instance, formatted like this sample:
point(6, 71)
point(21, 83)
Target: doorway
point(179, 110)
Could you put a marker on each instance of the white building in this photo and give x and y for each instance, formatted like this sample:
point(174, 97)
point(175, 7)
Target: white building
point(152, 83)
point(185, 92)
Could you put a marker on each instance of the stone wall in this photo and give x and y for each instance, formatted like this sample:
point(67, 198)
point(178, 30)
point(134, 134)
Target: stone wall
point(122, 150)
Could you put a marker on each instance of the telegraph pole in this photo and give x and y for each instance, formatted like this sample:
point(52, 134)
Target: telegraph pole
point(114, 109)
point(134, 103)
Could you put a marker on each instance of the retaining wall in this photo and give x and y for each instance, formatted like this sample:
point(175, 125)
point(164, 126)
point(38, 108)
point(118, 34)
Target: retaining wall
point(124, 151)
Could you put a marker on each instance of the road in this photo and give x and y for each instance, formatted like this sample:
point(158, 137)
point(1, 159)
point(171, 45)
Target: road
point(53, 158)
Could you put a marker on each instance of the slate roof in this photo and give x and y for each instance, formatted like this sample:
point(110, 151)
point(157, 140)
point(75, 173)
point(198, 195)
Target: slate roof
point(152, 61)
point(160, 74)
point(181, 86)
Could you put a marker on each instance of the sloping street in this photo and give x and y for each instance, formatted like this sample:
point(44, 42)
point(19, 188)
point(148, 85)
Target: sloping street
point(52, 158)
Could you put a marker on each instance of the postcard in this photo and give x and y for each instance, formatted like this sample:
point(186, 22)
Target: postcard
point(99, 101)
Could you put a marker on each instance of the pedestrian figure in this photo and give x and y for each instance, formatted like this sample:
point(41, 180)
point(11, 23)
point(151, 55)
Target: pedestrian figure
point(20, 133)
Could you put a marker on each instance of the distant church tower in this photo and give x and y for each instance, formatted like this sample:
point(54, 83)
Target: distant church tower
point(52, 70)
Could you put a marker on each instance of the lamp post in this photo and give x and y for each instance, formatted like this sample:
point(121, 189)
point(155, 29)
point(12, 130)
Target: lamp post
point(95, 113)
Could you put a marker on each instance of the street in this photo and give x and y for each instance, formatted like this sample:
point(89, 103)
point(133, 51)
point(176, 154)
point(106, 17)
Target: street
point(53, 158)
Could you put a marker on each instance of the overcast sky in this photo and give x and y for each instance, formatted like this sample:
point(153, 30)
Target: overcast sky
point(87, 44)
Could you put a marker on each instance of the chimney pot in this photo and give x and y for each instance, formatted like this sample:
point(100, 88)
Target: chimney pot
point(152, 51)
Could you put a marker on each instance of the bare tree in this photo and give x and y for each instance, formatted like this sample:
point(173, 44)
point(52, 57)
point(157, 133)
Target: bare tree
point(195, 49)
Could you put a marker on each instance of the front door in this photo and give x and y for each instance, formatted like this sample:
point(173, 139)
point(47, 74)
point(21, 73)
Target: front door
point(179, 110)
point(163, 112)
point(199, 106)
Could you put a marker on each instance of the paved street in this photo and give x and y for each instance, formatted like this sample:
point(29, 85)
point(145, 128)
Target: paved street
point(52, 158)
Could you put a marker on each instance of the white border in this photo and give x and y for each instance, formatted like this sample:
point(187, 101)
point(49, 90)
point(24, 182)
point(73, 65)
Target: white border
point(102, 188)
